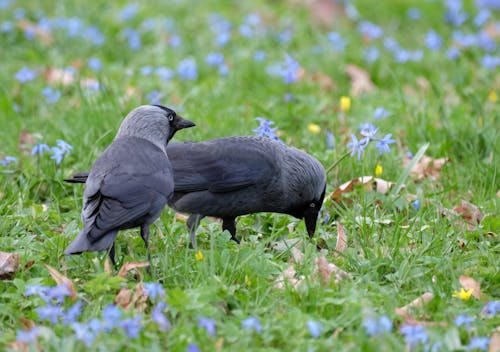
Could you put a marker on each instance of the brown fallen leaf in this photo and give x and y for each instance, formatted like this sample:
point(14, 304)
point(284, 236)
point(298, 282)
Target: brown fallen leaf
point(405, 312)
point(26, 141)
point(9, 264)
point(60, 76)
point(29, 264)
point(107, 267)
point(324, 12)
point(470, 213)
point(61, 279)
point(360, 80)
point(27, 324)
point(326, 270)
point(288, 275)
point(469, 283)
point(297, 255)
point(498, 194)
point(341, 245)
point(494, 341)
point(219, 344)
point(181, 217)
point(132, 299)
point(427, 167)
point(321, 79)
point(126, 267)
point(41, 33)
point(369, 182)
point(124, 297)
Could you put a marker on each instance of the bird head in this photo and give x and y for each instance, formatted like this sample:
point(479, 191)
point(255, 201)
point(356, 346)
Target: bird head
point(155, 123)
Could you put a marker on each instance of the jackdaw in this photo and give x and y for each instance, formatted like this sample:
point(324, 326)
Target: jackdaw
point(131, 182)
point(234, 176)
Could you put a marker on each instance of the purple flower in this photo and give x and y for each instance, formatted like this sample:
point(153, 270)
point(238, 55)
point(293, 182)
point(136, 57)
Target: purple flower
point(465, 320)
point(154, 97)
point(86, 332)
point(374, 326)
point(259, 55)
point(482, 16)
point(51, 96)
point(368, 130)
point(371, 54)
point(49, 312)
point(383, 144)
point(133, 37)
point(111, 316)
point(72, 313)
point(414, 335)
point(7, 160)
point(433, 40)
point(478, 343)
point(265, 129)
point(159, 318)
point(57, 154)
point(94, 64)
point(252, 323)
point(490, 62)
point(25, 75)
point(454, 14)
point(315, 328)
point(416, 204)
point(58, 293)
point(357, 146)
point(131, 326)
point(164, 73)
point(214, 59)
point(380, 113)
point(128, 12)
point(413, 13)
point(154, 290)
point(208, 324)
point(29, 336)
point(290, 70)
point(37, 290)
point(453, 53)
point(491, 309)
point(338, 43)
point(370, 30)
point(193, 348)
point(187, 69)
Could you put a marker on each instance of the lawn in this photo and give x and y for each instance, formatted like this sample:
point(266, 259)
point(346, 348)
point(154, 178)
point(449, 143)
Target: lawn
point(406, 252)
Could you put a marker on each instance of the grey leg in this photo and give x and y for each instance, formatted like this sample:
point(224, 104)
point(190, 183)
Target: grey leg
point(145, 238)
point(111, 254)
point(229, 224)
point(192, 223)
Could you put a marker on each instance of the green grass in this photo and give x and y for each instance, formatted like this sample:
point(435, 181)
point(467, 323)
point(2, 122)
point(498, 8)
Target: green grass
point(395, 253)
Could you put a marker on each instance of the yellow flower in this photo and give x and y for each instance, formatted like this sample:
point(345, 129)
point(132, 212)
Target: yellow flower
point(313, 128)
point(199, 256)
point(462, 294)
point(345, 103)
point(493, 97)
point(378, 170)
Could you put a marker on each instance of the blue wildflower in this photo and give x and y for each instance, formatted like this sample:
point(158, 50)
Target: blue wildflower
point(357, 147)
point(146, 70)
point(222, 38)
point(252, 323)
point(94, 64)
point(330, 140)
point(7, 27)
point(154, 290)
point(159, 318)
point(465, 320)
point(478, 343)
point(49, 312)
point(371, 54)
point(486, 42)
point(154, 97)
point(416, 204)
point(111, 316)
point(131, 326)
point(86, 332)
point(368, 130)
point(246, 31)
point(193, 348)
point(482, 16)
point(383, 144)
point(25, 75)
point(7, 160)
point(37, 290)
point(490, 62)
point(4, 4)
point(128, 12)
point(57, 154)
point(223, 70)
point(58, 293)
point(413, 13)
point(19, 13)
point(491, 309)
point(51, 96)
point(391, 44)
point(265, 129)
point(65, 147)
point(285, 36)
point(29, 336)
point(370, 30)
point(187, 69)
point(455, 15)
point(338, 43)
point(380, 113)
point(290, 70)
point(374, 326)
point(133, 37)
point(493, 4)
point(259, 55)
point(175, 41)
point(252, 19)
point(164, 73)
point(72, 313)
point(414, 335)
point(433, 40)
point(315, 328)
point(94, 35)
point(453, 53)
point(209, 325)
point(214, 59)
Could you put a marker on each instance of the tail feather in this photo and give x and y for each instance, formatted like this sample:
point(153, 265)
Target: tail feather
point(82, 243)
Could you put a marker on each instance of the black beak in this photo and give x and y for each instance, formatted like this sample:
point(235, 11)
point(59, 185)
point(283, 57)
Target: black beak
point(311, 218)
point(180, 123)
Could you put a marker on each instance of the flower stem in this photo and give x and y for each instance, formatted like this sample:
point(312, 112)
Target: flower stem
point(331, 167)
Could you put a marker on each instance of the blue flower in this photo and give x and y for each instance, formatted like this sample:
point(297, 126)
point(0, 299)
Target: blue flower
point(370, 30)
point(222, 38)
point(223, 70)
point(285, 36)
point(433, 40)
point(383, 144)
point(391, 44)
point(214, 59)
point(290, 70)
point(29, 336)
point(4, 4)
point(209, 325)
point(193, 348)
point(413, 13)
point(482, 16)
point(465, 320)
point(49, 312)
point(246, 31)
point(25, 75)
point(491, 309)
point(374, 326)
point(133, 37)
point(86, 332)
point(380, 113)
point(154, 97)
point(72, 313)
point(486, 42)
point(265, 129)
point(111, 316)
point(65, 147)
point(371, 54)
point(128, 12)
point(252, 323)
point(164, 73)
point(490, 62)
point(94, 35)
point(6, 27)
point(187, 69)
point(330, 140)
point(315, 328)
point(338, 43)
point(453, 53)
point(146, 70)
point(175, 41)
point(94, 64)
point(51, 96)
point(494, 4)
point(154, 290)
point(454, 14)
point(131, 326)
point(7, 160)
point(368, 130)
point(414, 335)
point(37, 290)
point(259, 55)
point(357, 146)
point(478, 343)
point(57, 154)
point(159, 318)
point(39, 149)
point(252, 19)
point(58, 293)
point(416, 204)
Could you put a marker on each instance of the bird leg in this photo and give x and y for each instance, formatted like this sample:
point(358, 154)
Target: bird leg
point(228, 224)
point(111, 254)
point(145, 238)
point(192, 223)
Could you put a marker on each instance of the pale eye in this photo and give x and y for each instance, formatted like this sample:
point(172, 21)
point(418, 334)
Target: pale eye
point(312, 205)
point(171, 117)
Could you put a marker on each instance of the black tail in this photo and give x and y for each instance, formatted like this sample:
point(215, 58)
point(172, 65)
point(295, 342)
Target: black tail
point(80, 177)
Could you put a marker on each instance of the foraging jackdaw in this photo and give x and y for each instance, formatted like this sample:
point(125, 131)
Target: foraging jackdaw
point(234, 176)
point(131, 182)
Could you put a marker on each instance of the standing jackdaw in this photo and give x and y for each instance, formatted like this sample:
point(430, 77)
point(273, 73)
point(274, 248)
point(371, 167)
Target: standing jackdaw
point(131, 182)
point(234, 176)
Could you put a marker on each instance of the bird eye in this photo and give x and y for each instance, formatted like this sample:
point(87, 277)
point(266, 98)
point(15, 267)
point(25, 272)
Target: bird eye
point(312, 205)
point(171, 117)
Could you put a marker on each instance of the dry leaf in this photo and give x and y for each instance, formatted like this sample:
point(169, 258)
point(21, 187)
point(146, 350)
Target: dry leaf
point(493, 30)
point(61, 279)
point(41, 33)
point(494, 342)
point(107, 267)
point(130, 266)
point(288, 275)
point(469, 283)
point(369, 182)
point(325, 12)
point(427, 167)
point(297, 255)
point(470, 213)
point(498, 194)
point(360, 80)
point(181, 217)
point(9, 264)
point(219, 344)
point(324, 81)
point(123, 298)
point(405, 311)
point(60, 76)
point(26, 141)
point(89, 83)
point(326, 269)
point(341, 245)
point(27, 324)
point(29, 264)
point(135, 300)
